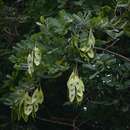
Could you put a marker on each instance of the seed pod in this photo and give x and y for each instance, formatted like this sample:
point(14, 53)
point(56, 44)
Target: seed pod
point(28, 108)
point(75, 87)
point(91, 39)
point(37, 56)
point(86, 51)
point(80, 90)
point(27, 98)
point(40, 96)
point(75, 40)
point(35, 107)
point(71, 87)
point(30, 63)
point(37, 96)
point(90, 53)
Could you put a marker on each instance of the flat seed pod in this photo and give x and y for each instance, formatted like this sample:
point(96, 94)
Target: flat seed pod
point(85, 49)
point(37, 56)
point(79, 91)
point(72, 93)
point(75, 40)
point(71, 86)
point(24, 116)
point(30, 63)
point(85, 56)
point(31, 69)
point(75, 87)
point(40, 96)
point(82, 85)
point(27, 99)
point(91, 39)
point(35, 107)
point(35, 96)
point(28, 108)
point(20, 108)
point(90, 53)
point(79, 98)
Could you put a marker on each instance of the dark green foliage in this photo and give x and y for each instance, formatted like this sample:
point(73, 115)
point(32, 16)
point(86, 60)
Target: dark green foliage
point(92, 36)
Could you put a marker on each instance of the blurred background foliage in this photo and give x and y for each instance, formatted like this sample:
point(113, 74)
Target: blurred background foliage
point(106, 104)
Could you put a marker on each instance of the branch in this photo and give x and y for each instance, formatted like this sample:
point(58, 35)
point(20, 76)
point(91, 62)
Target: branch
point(113, 53)
point(58, 122)
point(114, 42)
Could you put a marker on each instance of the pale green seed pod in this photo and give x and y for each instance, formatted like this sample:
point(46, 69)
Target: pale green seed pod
point(40, 96)
point(28, 108)
point(90, 53)
point(71, 87)
point(27, 98)
point(80, 91)
point(86, 51)
point(30, 63)
point(35, 107)
point(75, 87)
point(91, 39)
point(37, 56)
point(37, 96)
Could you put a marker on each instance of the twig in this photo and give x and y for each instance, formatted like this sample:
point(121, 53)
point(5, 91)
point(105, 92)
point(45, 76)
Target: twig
point(4, 53)
point(83, 122)
point(114, 42)
point(113, 53)
point(58, 122)
point(61, 119)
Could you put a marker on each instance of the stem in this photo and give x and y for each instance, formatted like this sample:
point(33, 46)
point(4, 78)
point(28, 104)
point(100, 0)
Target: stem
point(113, 53)
point(58, 122)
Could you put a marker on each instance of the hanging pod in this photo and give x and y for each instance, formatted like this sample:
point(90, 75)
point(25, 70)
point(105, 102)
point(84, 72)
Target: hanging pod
point(30, 63)
point(33, 58)
point(35, 107)
point(71, 86)
point(86, 50)
point(91, 39)
point(75, 87)
point(91, 43)
point(80, 91)
point(27, 98)
point(37, 56)
point(37, 96)
point(31, 103)
point(40, 96)
point(90, 53)
point(28, 107)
